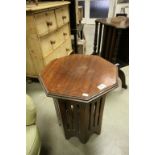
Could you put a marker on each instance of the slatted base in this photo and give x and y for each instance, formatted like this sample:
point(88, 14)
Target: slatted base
point(80, 119)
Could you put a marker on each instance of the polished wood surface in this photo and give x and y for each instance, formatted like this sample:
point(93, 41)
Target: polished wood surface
point(117, 22)
point(79, 84)
point(79, 77)
point(43, 6)
point(81, 120)
point(111, 41)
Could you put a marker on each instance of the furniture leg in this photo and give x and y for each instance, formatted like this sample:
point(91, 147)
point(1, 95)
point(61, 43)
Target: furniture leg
point(122, 77)
point(57, 111)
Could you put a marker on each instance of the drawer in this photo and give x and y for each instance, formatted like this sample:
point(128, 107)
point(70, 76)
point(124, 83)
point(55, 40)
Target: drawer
point(66, 31)
point(59, 52)
point(55, 54)
point(57, 38)
point(37, 61)
point(68, 46)
point(51, 21)
point(59, 19)
point(65, 14)
point(41, 25)
point(46, 45)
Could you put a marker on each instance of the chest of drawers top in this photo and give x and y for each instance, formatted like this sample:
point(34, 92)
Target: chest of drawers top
point(44, 6)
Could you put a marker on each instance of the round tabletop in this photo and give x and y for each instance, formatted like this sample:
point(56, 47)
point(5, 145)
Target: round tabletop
point(79, 77)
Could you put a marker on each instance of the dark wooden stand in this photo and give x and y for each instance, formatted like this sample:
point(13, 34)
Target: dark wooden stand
point(79, 119)
point(111, 42)
point(79, 91)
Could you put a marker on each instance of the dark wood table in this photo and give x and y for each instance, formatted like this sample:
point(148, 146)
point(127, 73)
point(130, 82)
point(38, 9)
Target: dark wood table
point(79, 84)
point(111, 42)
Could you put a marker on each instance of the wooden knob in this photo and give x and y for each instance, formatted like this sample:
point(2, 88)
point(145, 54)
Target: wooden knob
point(64, 33)
point(64, 17)
point(52, 42)
point(67, 49)
point(49, 23)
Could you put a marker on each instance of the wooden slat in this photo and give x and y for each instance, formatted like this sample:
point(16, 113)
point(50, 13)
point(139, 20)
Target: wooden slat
point(112, 47)
point(76, 118)
point(117, 45)
point(69, 116)
point(63, 113)
point(97, 113)
point(101, 108)
point(108, 44)
point(92, 115)
point(83, 123)
point(57, 110)
point(99, 38)
point(104, 41)
point(95, 37)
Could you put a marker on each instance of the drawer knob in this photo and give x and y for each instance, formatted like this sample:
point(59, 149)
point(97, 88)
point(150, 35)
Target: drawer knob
point(64, 17)
point(52, 42)
point(49, 23)
point(64, 34)
point(67, 49)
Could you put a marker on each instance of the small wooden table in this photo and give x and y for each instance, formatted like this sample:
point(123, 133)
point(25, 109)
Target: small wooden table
point(111, 42)
point(79, 83)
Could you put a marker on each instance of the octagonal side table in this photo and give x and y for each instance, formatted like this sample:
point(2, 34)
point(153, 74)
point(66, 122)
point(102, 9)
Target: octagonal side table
point(78, 85)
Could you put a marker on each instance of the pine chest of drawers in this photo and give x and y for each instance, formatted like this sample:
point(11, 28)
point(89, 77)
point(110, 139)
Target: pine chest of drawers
point(47, 34)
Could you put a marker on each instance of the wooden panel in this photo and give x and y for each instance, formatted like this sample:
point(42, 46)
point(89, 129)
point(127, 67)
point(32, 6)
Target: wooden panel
point(117, 22)
point(91, 116)
point(99, 38)
point(43, 6)
point(37, 61)
point(46, 45)
point(66, 31)
point(30, 70)
point(68, 46)
point(76, 117)
point(57, 38)
point(41, 24)
point(59, 18)
point(35, 51)
point(97, 104)
point(30, 26)
point(65, 14)
point(51, 20)
point(59, 52)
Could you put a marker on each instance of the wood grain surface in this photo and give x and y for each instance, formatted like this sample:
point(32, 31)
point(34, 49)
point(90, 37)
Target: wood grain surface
point(117, 22)
point(44, 5)
point(79, 77)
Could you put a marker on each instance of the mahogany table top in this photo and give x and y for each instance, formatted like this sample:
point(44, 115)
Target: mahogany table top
point(79, 77)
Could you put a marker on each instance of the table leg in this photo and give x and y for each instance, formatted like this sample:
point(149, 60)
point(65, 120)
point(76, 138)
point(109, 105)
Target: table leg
point(57, 111)
point(122, 77)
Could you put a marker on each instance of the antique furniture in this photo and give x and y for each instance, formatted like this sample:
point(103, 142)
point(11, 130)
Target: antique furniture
point(33, 140)
point(79, 91)
point(75, 16)
point(47, 34)
point(111, 42)
point(76, 27)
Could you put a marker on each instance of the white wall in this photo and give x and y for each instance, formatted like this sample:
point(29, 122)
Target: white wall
point(116, 8)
